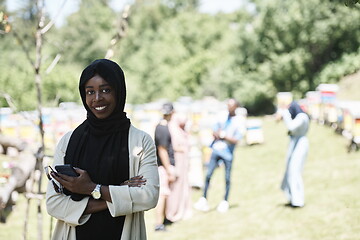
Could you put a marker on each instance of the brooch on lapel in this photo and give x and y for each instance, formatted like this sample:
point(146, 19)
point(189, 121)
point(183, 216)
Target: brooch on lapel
point(137, 151)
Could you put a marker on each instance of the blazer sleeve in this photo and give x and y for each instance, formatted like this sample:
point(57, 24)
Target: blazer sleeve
point(61, 206)
point(127, 200)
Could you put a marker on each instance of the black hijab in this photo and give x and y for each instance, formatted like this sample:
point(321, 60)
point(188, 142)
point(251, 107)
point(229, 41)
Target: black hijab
point(295, 109)
point(100, 146)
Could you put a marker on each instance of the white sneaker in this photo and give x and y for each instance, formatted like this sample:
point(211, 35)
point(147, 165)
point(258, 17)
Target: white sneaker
point(223, 206)
point(202, 205)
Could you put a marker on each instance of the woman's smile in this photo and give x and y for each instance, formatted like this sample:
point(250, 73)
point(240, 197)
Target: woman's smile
point(100, 108)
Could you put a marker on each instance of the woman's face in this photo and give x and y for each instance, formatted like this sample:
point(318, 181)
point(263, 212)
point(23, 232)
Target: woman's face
point(100, 97)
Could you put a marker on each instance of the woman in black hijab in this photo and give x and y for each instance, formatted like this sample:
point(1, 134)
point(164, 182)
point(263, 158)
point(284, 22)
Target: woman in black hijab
point(297, 123)
point(116, 163)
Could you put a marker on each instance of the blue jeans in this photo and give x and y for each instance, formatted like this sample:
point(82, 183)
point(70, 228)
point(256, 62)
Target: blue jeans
point(213, 163)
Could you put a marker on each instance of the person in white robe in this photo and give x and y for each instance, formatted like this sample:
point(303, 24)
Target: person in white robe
point(297, 123)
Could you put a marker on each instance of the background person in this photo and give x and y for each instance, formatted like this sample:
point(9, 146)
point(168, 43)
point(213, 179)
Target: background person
point(227, 133)
point(166, 163)
point(178, 204)
point(297, 123)
point(108, 153)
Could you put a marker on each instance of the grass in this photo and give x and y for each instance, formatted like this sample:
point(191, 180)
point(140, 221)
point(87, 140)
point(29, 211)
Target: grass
point(257, 212)
point(14, 226)
point(332, 183)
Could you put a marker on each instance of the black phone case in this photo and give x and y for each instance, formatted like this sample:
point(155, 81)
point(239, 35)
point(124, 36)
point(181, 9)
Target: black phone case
point(66, 169)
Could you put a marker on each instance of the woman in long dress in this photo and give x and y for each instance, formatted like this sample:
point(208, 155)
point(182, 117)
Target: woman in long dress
point(297, 123)
point(178, 205)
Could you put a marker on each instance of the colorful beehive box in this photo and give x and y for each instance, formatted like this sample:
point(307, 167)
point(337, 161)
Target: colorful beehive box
point(313, 101)
point(254, 132)
point(328, 112)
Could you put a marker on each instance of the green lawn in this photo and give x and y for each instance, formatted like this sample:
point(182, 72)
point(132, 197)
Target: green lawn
point(332, 184)
point(13, 229)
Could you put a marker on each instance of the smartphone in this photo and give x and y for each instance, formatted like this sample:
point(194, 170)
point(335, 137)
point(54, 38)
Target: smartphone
point(47, 171)
point(66, 169)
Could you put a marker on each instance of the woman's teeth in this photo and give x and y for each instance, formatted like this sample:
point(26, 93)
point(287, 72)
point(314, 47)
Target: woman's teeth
point(100, 108)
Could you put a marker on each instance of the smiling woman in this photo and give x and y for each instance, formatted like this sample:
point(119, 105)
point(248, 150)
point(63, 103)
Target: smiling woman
point(118, 178)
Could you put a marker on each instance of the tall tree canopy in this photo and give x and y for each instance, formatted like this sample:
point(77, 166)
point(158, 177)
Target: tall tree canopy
point(171, 50)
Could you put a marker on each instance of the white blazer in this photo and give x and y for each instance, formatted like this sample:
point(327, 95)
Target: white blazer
point(129, 201)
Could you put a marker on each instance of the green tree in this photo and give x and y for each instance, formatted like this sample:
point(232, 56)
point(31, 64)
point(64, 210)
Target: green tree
point(298, 39)
point(86, 33)
point(16, 48)
point(169, 52)
point(351, 2)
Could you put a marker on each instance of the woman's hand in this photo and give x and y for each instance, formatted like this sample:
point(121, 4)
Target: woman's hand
point(136, 181)
point(81, 184)
point(171, 172)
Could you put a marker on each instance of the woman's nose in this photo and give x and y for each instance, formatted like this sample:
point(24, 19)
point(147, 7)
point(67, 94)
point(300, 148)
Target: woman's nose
point(98, 96)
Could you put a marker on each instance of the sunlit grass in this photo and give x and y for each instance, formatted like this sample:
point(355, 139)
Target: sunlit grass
point(14, 227)
point(257, 212)
point(332, 183)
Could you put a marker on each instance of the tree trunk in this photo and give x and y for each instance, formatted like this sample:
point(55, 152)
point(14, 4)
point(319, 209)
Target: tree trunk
point(39, 158)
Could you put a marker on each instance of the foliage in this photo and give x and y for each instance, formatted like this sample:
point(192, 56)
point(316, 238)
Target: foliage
point(86, 34)
point(346, 65)
point(351, 2)
point(298, 39)
point(62, 86)
point(3, 4)
point(17, 79)
point(171, 56)
point(172, 50)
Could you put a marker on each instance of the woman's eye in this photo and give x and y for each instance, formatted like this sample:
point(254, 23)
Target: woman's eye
point(89, 92)
point(106, 90)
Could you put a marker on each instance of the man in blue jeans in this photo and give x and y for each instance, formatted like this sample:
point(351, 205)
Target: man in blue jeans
point(227, 133)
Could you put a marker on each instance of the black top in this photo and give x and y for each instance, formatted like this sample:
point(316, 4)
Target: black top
point(163, 138)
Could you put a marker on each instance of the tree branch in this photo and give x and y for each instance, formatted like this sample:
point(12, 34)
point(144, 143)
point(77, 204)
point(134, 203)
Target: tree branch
point(53, 63)
point(9, 101)
point(121, 32)
point(52, 22)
